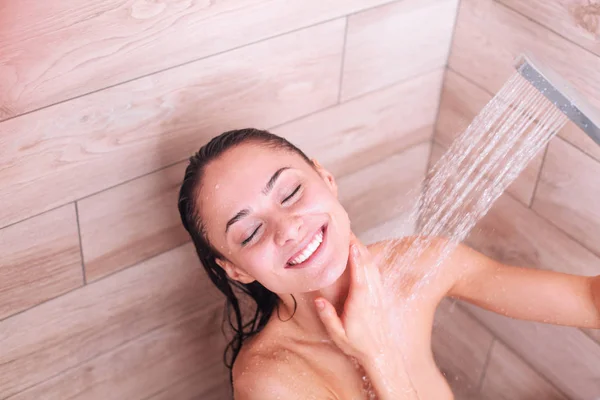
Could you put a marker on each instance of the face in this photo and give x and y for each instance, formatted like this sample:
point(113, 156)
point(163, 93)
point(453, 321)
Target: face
point(275, 218)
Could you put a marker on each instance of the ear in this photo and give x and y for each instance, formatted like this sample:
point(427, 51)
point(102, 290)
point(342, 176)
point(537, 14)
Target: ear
point(326, 176)
point(234, 272)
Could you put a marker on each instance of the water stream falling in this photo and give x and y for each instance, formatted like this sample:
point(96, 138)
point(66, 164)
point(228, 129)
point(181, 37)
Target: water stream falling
point(479, 165)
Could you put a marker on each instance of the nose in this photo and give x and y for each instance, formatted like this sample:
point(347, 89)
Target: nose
point(289, 228)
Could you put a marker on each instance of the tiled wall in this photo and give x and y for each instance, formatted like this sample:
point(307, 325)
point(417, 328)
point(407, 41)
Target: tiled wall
point(549, 218)
point(101, 295)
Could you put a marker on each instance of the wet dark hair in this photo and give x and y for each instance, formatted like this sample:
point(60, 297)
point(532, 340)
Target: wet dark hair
point(265, 300)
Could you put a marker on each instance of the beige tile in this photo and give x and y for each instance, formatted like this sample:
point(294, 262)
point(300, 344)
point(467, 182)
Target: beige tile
point(131, 222)
point(461, 102)
point(508, 378)
point(148, 364)
point(515, 235)
point(396, 41)
point(365, 130)
point(576, 20)
point(564, 356)
point(40, 259)
point(344, 138)
point(568, 193)
point(384, 190)
point(80, 147)
point(398, 226)
point(460, 345)
point(100, 318)
point(76, 54)
point(489, 36)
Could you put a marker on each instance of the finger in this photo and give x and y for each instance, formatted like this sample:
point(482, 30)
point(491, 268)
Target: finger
point(367, 270)
point(333, 323)
point(355, 263)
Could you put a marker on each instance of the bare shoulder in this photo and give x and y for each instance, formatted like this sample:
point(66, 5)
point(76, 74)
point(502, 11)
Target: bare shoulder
point(266, 370)
point(425, 264)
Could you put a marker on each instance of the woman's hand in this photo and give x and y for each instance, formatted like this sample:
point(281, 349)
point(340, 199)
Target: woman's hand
point(364, 328)
point(368, 328)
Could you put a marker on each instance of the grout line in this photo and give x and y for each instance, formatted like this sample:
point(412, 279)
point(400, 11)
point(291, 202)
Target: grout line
point(512, 350)
point(342, 63)
point(394, 83)
point(141, 261)
point(437, 116)
point(181, 319)
point(133, 179)
point(453, 34)
point(201, 58)
point(80, 243)
point(92, 194)
point(93, 281)
point(159, 71)
point(332, 106)
point(547, 28)
point(486, 364)
point(539, 176)
point(6, 318)
point(578, 148)
point(567, 234)
point(35, 215)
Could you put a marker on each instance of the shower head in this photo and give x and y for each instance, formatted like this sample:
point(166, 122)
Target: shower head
point(562, 95)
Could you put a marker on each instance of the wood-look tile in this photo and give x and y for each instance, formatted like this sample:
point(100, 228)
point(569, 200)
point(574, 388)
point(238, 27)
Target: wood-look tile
point(507, 377)
point(73, 149)
point(393, 228)
point(40, 260)
point(460, 346)
point(513, 234)
point(489, 36)
point(576, 20)
point(461, 102)
point(76, 54)
point(383, 190)
point(367, 129)
point(396, 41)
point(568, 193)
point(149, 364)
point(131, 222)
point(84, 324)
point(565, 356)
point(139, 219)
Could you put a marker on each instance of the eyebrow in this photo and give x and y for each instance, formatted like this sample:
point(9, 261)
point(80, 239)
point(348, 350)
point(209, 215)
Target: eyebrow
point(268, 187)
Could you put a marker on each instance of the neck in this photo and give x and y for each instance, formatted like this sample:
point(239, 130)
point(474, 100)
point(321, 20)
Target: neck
point(305, 318)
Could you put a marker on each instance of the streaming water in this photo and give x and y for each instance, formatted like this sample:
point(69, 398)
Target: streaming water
point(462, 186)
point(479, 165)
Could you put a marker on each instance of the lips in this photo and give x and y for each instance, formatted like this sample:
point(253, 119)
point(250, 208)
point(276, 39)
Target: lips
point(308, 248)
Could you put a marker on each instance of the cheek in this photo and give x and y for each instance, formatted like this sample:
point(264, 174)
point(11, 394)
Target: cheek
point(259, 260)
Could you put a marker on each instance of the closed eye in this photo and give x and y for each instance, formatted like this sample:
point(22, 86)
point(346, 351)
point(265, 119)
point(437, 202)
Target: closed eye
point(249, 238)
point(292, 195)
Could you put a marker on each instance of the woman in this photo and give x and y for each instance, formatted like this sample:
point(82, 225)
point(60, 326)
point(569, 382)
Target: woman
point(266, 222)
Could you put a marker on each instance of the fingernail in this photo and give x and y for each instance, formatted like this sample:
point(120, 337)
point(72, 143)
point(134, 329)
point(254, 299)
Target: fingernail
point(320, 304)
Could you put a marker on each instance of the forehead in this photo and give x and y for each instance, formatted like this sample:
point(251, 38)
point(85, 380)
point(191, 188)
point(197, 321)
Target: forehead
point(231, 181)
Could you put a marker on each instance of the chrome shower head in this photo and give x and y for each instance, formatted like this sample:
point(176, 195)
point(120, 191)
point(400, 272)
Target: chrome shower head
point(562, 95)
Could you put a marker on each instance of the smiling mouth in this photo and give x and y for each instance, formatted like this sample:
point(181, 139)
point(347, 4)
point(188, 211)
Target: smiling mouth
point(309, 250)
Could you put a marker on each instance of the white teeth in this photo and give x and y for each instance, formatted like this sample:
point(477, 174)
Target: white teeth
point(310, 249)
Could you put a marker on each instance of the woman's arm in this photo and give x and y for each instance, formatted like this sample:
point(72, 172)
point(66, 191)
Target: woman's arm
point(524, 293)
